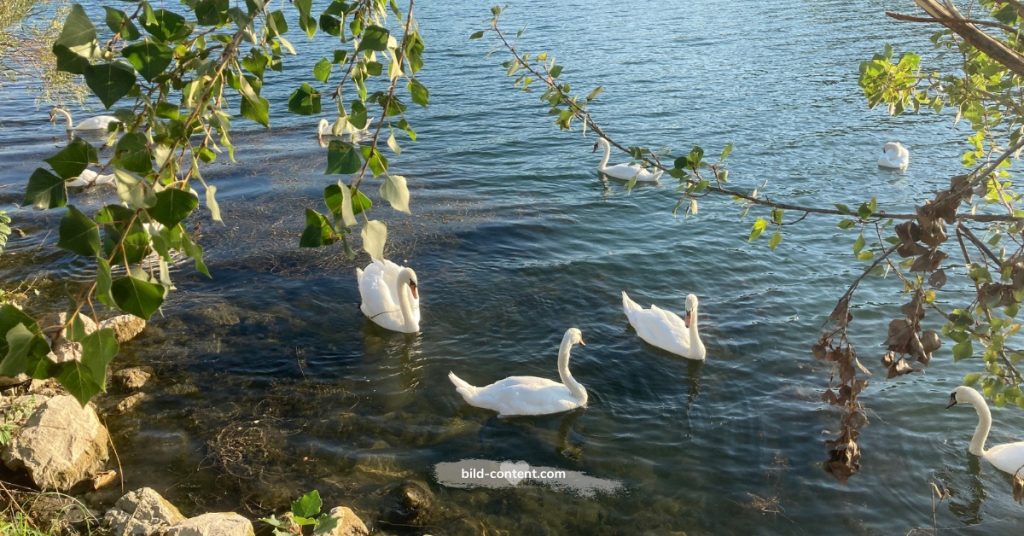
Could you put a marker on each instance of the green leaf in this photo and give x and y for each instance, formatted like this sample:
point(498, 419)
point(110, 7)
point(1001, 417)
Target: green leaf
point(304, 101)
point(374, 38)
point(211, 203)
point(132, 153)
point(110, 81)
point(103, 282)
point(149, 58)
point(843, 209)
point(318, 231)
point(726, 151)
point(213, 12)
point(276, 23)
point(395, 191)
point(86, 378)
point(774, 241)
point(858, 244)
point(79, 234)
point(165, 25)
point(342, 158)
point(334, 198)
point(45, 190)
point(120, 226)
point(308, 505)
point(137, 297)
point(476, 35)
point(77, 30)
point(330, 25)
point(419, 92)
point(357, 114)
point(118, 21)
point(759, 226)
point(195, 251)
point(257, 109)
point(24, 349)
point(594, 93)
point(846, 224)
point(72, 160)
point(963, 350)
point(374, 234)
point(173, 205)
point(322, 69)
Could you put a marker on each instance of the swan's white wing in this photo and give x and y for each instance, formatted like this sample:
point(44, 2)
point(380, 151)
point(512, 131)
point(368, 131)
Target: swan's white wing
point(525, 395)
point(390, 271)
point(628, 171)
point(1007, 457)
point(374, 291)
point(100, 122)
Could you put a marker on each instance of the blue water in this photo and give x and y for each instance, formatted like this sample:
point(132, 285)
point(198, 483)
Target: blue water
point(515, 238)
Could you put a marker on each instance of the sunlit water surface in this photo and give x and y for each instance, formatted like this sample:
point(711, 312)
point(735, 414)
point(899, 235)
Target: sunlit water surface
point(269, 381)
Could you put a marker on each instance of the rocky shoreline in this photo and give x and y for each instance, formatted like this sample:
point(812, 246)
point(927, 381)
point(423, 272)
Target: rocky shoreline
point(60, 446)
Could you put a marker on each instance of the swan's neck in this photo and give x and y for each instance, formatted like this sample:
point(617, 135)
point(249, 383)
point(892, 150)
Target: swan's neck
point(405, 303)
point(694, 333)
point(607, 152)
point(977, 446)
point(67, 115)
point(324, 126)
point(577, 390)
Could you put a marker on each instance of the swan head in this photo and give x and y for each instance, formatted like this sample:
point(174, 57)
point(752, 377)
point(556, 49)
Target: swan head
point(574, 336)
point(893, 146)
point(691, 306)
point(963, 395)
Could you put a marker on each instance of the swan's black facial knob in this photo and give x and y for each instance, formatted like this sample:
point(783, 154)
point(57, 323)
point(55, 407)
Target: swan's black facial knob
point(952, 400)
point(595, 147)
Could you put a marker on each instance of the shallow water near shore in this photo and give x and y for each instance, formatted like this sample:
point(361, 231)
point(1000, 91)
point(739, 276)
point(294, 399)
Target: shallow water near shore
point(270, 382)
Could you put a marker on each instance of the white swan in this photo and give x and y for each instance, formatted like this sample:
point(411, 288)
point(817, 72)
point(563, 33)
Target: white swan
point(665, 329)
point(325, 131)
point(624, 172)
point(894, 156)
point(1008, 457)
point(89, 177)
point(530, 395)
point(390, 296)
point(100, 122)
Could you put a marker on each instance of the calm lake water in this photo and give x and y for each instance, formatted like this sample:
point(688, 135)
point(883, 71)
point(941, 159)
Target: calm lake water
point(270, 382)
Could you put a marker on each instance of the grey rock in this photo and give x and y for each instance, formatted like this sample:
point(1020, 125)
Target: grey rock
point(142, 512)
point(59, 445)
point(7, 381)
point(348, 523)
point(409, 503)
point(132, 378)
point(215, 524)
point(129, 402)
point(126, 327)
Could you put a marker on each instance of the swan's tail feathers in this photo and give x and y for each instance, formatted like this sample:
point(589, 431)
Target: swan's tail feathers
point(629, 306)
point(359, 276)
point(466, 390)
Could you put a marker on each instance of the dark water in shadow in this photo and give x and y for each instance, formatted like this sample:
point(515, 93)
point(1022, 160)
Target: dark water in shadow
point(270, 382)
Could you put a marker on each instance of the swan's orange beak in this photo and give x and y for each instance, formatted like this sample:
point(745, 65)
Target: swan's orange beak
point(413, 289)
point(686, 319)
point(582, 342)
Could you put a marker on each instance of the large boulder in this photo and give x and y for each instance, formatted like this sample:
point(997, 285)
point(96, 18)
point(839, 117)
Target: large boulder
point(59, 445)
point(142, 512)
point(216, 524)
point(126, 327)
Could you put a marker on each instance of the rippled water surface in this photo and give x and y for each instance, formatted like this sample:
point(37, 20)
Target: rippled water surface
point(270, 381)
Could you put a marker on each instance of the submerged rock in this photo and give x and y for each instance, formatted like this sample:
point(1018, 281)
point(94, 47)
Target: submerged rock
point(409, 503)
point(7, 381)
point(348, 523)
point(216, 524)
point(127, 403)
point(141, 513)
point(126, 327)
point(132, 378)
point(59, 445)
